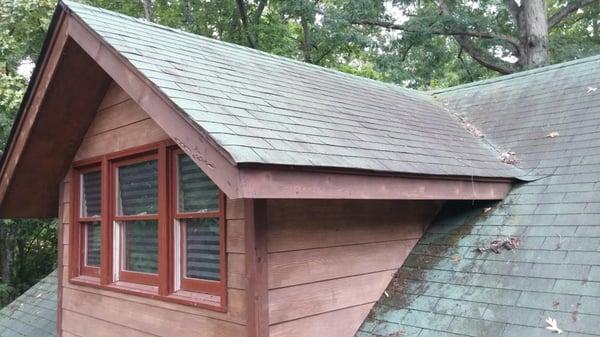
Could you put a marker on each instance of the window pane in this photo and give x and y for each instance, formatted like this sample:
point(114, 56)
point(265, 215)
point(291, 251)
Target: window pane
point(90, 194)
point(92, 243)
point(138, 188)
point(197, 193)
point(202, 249)
point(140, 246)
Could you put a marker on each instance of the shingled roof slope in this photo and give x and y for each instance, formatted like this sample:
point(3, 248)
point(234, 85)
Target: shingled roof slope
point(267, 109)
point(550, 118)
point(33, 314)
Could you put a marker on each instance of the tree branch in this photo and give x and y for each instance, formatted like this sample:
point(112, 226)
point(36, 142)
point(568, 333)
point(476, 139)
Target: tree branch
point(259, 10)
point(471, 33)
point(571, 7)
point(515, 11)
point(241, 4)
point(482, 57)
point(306, 44)
point(147, 9)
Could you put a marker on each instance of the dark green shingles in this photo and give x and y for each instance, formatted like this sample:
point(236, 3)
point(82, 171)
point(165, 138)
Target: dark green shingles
point(556, 270)
point(276, 111)
point(33, 313)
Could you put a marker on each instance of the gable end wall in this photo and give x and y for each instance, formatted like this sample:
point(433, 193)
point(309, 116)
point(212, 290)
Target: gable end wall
point(89, 312)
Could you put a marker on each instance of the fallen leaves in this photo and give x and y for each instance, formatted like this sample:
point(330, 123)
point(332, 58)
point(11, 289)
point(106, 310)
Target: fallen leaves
point(473, 130)
point(591, 89)
point(509, 157)
point(456, 258)
point(553, 134)
point(487, 209)
point(498, 245)
point(553, 325)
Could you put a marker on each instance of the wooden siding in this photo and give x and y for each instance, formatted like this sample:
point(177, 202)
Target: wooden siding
point(86, 311)
point(329, 261)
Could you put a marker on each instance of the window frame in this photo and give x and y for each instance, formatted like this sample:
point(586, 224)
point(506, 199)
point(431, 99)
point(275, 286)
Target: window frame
point(78, 221)
point(185, 283)
point(118, 220)
point(163, 286)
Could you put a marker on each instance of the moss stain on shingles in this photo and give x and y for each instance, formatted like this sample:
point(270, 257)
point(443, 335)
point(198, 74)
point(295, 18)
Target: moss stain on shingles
point(442, 247)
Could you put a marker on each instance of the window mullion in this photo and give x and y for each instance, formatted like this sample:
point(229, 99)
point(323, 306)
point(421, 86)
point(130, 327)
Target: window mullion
point(106, 261)
point(164, 240)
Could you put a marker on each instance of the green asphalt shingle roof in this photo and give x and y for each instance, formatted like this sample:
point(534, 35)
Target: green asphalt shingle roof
point(33, 314)
point(267, 109)
point(448, 289)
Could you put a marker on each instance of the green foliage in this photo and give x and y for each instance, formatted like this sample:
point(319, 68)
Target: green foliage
point(28, 247)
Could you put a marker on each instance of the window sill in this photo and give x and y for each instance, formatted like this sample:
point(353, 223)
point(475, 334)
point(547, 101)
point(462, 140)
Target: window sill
point(193, 299)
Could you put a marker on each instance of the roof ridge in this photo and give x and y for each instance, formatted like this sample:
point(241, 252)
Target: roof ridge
point(517, 75)
point(393, 86)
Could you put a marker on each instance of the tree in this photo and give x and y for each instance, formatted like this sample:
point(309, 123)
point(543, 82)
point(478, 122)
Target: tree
point(494, 33)
point(27, 247)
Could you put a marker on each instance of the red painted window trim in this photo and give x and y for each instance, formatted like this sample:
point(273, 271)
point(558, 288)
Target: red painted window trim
point(78, 222)
point(198, 293)
point(189, 284)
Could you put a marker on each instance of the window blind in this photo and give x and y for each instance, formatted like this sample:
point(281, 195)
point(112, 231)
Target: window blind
point(202, 249)
point(197, 193)
point(138, 188)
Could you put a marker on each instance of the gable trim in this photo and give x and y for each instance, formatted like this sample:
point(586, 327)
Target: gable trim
point(32, 101)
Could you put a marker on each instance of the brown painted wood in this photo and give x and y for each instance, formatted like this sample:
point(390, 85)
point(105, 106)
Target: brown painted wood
point(286, 304)
point(236, 271)
point(128, 136)
point(256, 268)
point(312, 184)
point(235, 236)
point(84, 325)
point(148, 319)
point(331, 324)
point(124, 113)
point(313, 265)
point(328, 256)
point(65, 197)
point(68, 107)
point(39, 85)
point(114, 95)
point(295, 223)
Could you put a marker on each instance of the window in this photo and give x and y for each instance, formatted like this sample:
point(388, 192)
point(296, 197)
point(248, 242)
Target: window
point(149, 222)
point(136, 219)
point(88, 219)
point(199, 218)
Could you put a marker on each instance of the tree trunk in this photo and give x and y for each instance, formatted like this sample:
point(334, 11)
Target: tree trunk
point(534, 34)
point(7, 252)
point(147, 9)
point(306, 44)
point(20, 262)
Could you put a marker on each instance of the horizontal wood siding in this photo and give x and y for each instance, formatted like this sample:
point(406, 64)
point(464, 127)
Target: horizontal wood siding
point(89, 312)
point(329, 261)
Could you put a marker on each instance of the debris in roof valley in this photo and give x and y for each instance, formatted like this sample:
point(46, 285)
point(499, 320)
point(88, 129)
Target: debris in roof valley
point(509, 157)
point(472, 129)
point(497, 245)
